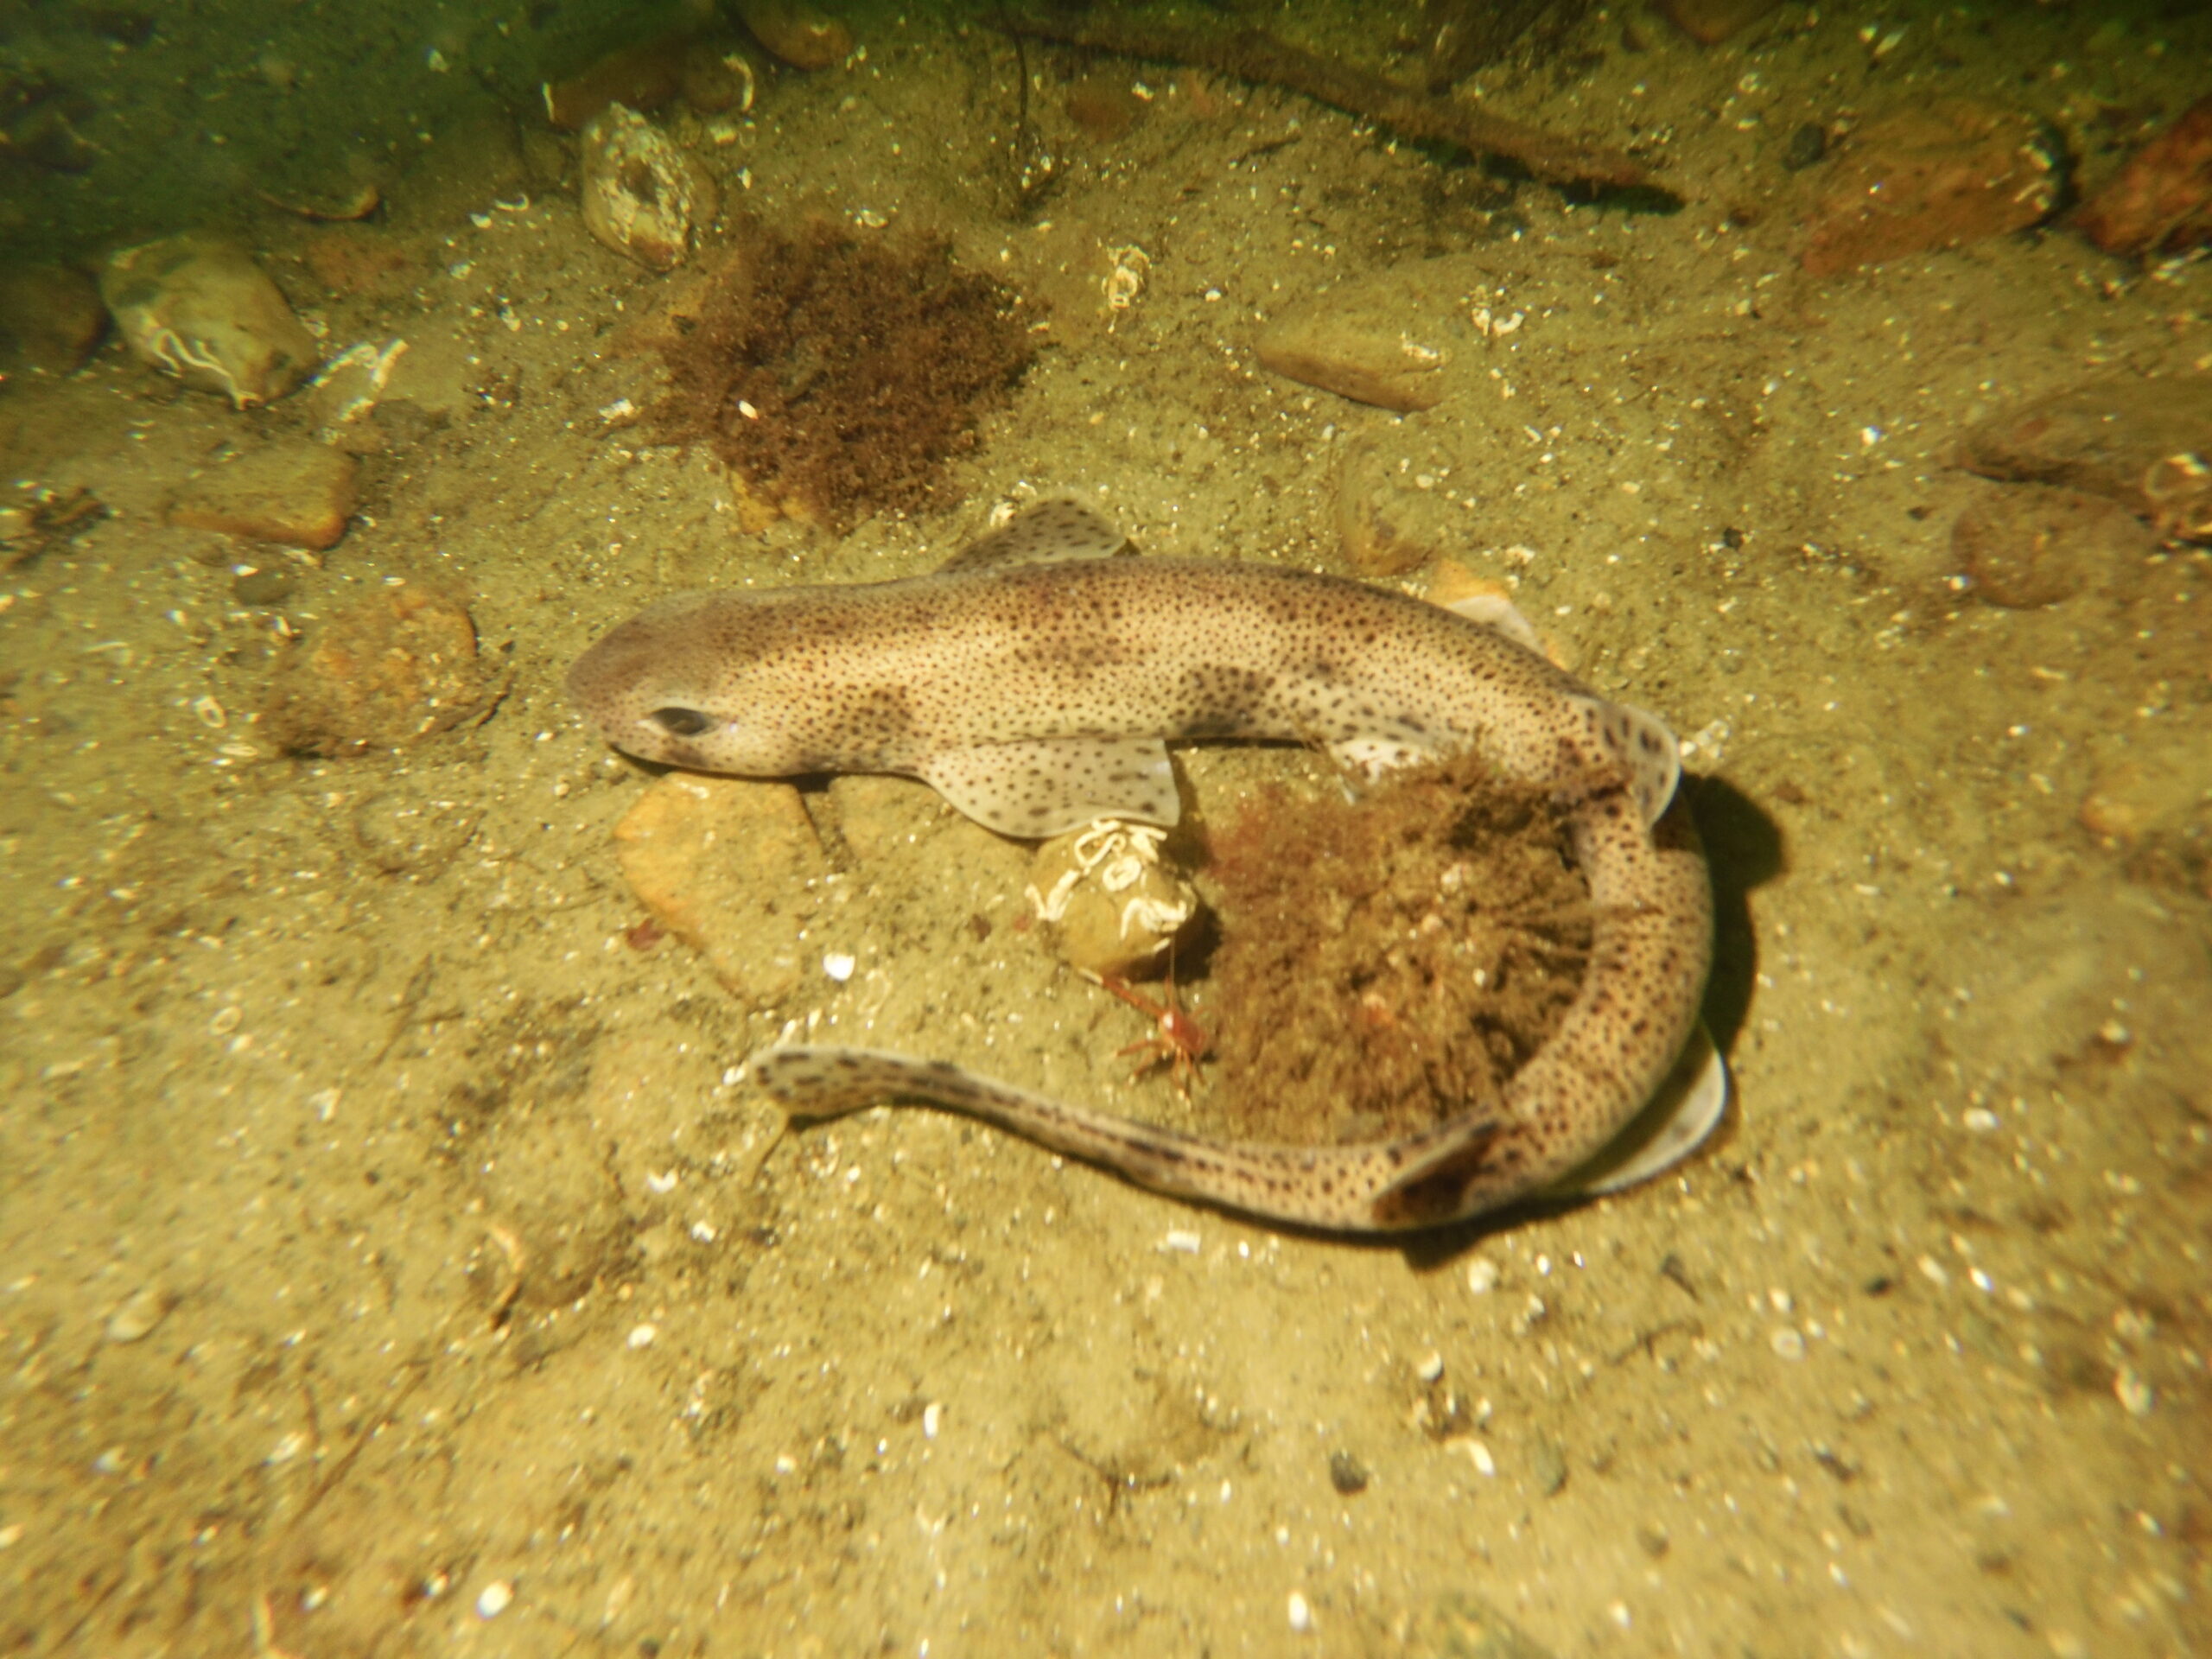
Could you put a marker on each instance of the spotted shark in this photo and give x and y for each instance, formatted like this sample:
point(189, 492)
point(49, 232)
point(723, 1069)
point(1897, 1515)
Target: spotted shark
point(1035, 680)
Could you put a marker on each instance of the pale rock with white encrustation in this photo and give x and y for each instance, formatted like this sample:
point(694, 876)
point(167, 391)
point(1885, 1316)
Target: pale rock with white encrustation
point(196, 306)
point(643, 196)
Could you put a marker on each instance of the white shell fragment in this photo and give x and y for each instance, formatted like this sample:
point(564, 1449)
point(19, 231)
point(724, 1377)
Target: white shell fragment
point(642, 195)
point(197, 307)
point(137, 1316)
point(351, 383)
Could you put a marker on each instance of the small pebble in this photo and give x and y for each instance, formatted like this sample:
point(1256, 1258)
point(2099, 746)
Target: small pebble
point(642, 1335)
point(839, 966)
point(932, 1417)
point(1432, 1367)
point(1482, 1275)
point(1484, 1463)
point(1548, 1462)
point(1979, 1119)
point(2132, 1392)
point(1178, 1239)
point(1301, 1615)
point(1789, 1342)
point(1347, 1473)
point(268, 585)
point(1806, 146)
point(494, 1598)
point(137, 1316)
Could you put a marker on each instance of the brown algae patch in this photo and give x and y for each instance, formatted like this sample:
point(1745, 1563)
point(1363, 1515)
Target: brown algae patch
point(835, 375)
point(1386, 963)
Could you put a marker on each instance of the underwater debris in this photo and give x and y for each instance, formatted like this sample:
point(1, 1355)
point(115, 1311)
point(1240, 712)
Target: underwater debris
point(1255, 55)
point(835, 376)
point(34, 516)
point(1387, 963)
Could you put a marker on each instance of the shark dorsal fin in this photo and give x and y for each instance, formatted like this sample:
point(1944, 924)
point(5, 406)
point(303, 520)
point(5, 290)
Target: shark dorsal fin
point(1047, 533)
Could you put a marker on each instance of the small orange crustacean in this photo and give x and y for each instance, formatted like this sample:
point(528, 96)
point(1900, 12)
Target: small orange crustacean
point(1177, 1041)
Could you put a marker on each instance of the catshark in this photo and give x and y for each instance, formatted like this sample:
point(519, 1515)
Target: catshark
point(1034, 683)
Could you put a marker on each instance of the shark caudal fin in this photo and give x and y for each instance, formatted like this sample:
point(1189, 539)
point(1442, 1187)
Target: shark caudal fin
point(1680, 1119)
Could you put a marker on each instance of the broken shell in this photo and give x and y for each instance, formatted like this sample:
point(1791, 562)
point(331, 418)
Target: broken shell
point(199, 308)
point(351, 383)
point(2179, 490)
point(135, 1318)
point(1113, 904)
point(643, 196)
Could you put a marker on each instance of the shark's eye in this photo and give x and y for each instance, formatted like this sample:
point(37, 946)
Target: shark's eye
point(681, 722)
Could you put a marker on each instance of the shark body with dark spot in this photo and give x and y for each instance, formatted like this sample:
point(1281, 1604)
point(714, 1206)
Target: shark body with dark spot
point(1034, 683)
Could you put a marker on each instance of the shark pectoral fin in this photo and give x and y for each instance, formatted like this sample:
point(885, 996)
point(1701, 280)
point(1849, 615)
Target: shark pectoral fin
point(1684, 1112)
point(1642, 743)
point(1434, 1191)
point(1051, 785)
point(1043, 534)
point(1368, 758)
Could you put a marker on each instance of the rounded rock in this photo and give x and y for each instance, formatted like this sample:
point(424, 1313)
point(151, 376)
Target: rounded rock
point(642, 195)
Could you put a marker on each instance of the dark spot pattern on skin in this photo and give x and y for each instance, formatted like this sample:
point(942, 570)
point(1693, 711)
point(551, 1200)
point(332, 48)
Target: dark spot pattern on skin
point(688, 755)
point(838, 678)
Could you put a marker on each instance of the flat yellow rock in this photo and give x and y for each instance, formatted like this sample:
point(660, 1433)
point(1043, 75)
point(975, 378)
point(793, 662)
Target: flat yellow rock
point(724, 864)
point(295, 494)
